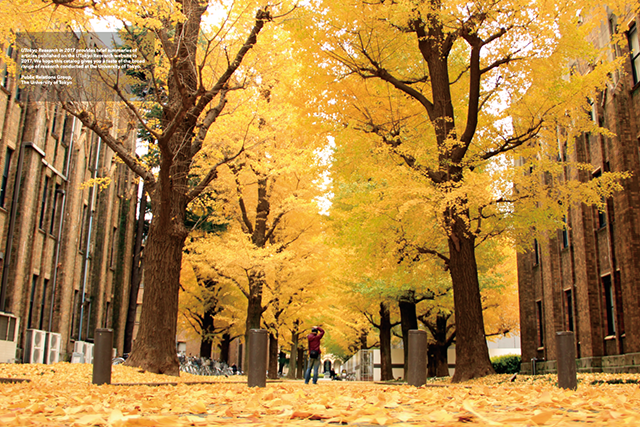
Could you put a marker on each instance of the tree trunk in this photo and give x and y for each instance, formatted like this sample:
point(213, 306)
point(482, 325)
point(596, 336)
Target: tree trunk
point(437, 363)
point(293, 358)
point(300, 362)
point(364, 333)
point(206, 335)
point(437, 350)
point(472, 354)
point(408, 321)
point(385, 343)
point(273, 357)
point(254, 309)
point(206, 348)
point(225, 345)
point(186, 117)
point(136, 276)
point(154, 348)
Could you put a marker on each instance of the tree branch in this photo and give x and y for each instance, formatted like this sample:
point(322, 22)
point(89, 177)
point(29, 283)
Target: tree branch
point(243, 208)
point(102, 130)
point(211, 175)
point(515, 142)
point(262, 16)
point(208, 121)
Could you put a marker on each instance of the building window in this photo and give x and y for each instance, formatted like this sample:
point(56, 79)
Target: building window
point(568, 298)
point(74, 316)
point(540, 324)
point(83, 229)
point(114, 247)
point(93, 152)
point(634, 50)
point(67, 131)
point(43, 208)
point(45, 284)
point(56, 209)
point(536, 252)
point(609, 301)
point(66, 158)
point(602, 217)
point(5, 70)
point(5, 177)
point(54, 121)
point(565, 233)
point(34, 283)
point(602, 213)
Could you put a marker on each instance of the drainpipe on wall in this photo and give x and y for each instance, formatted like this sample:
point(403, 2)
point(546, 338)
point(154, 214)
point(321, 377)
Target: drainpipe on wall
point(85, 272)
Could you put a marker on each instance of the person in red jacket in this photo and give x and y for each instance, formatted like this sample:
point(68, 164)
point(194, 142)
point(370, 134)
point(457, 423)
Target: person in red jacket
point(314, 354)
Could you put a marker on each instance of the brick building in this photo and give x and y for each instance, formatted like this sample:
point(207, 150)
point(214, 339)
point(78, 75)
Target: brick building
point(65, 248)
point(586, 278)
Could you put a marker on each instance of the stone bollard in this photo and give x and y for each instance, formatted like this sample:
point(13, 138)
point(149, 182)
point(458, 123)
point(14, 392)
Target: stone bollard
point(566, 359)
point(417, 372)
point(258, 339)
point(102, 352)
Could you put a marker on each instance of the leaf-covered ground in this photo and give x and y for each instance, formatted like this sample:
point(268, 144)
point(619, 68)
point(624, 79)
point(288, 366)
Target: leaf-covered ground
point(62, 395)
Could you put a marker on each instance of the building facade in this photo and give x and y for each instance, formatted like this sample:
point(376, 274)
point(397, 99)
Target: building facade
point(65, 239)
point(586, 277)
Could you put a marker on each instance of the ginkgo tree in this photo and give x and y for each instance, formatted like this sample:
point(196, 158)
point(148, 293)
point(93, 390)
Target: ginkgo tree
point(380, 260)
point(208, 307)
point(292, 293)
point(198, 62)
point(268, 193)
point(453, 92)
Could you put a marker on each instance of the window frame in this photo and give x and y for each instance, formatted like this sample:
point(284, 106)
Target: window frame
point(633, 39)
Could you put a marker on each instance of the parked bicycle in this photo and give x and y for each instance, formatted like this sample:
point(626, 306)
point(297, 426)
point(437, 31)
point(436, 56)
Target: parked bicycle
point(120, 359)
point(203, 366)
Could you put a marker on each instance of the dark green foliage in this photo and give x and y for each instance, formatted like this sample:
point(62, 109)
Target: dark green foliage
point(507, 364)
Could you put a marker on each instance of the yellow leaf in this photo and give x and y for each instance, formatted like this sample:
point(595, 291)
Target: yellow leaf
point(441, 416)
point(363, 420)
point(91, 420)
point(615, 414)
point(545, 397)
point(405, 416)
point(195, 420)
point(144, 422)
point(58, 412)
point(300, 414)
point(381, 420)
point(115, 416)
point(542, 417)
point(198, 408)
point(467, 405)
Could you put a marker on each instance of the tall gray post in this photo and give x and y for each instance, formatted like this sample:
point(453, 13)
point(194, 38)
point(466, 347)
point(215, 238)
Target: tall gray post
point(417, 372)
point(257, 376)
point(102, 352)
point(566, 359)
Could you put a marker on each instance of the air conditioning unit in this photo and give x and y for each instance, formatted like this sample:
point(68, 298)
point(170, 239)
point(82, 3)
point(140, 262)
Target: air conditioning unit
point(78, 346)
point(34, 346)
point(9, 331)
point(77, 357)
point(88, 353)
point(53, 347)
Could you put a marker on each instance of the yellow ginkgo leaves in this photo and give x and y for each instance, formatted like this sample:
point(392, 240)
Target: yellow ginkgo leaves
point(62, 395)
